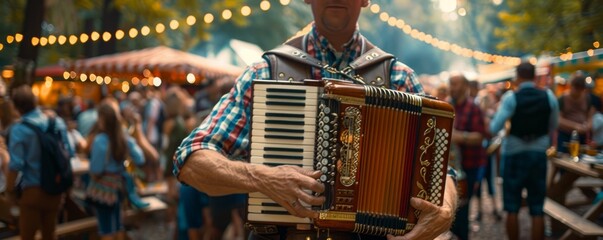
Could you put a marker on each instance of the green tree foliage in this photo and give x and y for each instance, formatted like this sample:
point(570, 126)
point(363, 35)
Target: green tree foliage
point(537, 26)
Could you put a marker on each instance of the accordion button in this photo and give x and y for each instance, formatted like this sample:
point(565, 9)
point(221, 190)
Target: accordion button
point(323, 178)
point(326, 128)
point(324, 162)
point(327, 110)
point(324, 169)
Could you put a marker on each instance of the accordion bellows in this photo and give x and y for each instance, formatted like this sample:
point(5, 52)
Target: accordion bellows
point(376, 148)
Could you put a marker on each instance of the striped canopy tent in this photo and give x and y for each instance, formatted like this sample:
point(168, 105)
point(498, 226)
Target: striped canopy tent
point(168, 64)
point(589, 61)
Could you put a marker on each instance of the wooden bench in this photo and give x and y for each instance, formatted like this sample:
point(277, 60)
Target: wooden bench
point(89, 224)
point(579, 226)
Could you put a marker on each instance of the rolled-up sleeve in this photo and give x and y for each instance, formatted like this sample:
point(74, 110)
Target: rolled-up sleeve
point(226, 130)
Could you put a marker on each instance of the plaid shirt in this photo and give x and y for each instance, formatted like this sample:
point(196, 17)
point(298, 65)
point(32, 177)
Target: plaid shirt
point(469, 118)
point(226, 129)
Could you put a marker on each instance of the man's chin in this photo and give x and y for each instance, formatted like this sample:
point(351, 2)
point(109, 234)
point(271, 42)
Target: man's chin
point(335, 26)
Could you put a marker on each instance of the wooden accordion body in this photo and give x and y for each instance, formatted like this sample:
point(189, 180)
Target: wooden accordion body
point(376, 149)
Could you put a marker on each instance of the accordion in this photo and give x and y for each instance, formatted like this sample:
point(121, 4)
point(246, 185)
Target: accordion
point(376, 148)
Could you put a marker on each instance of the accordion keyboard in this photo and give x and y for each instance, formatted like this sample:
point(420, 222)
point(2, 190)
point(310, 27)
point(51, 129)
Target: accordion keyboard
point(284, 126)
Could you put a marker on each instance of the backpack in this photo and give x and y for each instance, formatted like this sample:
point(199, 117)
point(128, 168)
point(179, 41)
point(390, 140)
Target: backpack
point(56, 175)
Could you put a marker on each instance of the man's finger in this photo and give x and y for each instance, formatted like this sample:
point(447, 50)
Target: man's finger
point(311, 184)
point(309, 199)
point(424, 206)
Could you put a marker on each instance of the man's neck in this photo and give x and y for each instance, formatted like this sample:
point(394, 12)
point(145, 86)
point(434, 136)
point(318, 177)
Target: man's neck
point(337, 40)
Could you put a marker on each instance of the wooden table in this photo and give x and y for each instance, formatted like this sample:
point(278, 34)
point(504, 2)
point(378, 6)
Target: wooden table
point(563, 174)
point(560, 184)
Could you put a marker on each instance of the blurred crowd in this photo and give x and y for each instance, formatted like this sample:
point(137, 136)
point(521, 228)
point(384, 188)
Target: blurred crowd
point(135, 135)
point(503, 132)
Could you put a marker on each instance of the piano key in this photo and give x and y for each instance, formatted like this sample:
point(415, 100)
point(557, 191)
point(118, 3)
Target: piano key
point(264, 112)
point(270, 154)
point(258, 99)
point(283, 130)
point(281, 147)
point(263, 209)
point(308, 162)
point(285, 115)
point(278, 120)
point(262, 139)
point(276, 218)
point(290, 133)
point(285, 108)
point(285, 97)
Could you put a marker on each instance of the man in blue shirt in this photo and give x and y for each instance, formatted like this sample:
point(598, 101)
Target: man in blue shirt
point(37, 209)
point(534, 114)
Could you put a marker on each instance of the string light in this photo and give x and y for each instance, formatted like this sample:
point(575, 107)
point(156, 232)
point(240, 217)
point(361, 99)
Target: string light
point(245, 11)
point(226, 14)
point(119, 34)
point(285, 2)
point(35, 41)
point(265, 5)
point(375, 8)
point(107, 80)
point(72, 39)
point(133, 32)
point(62, 39)
point(18, 37)
point(159, 28)
point(84, 38)
point(145, 30)
point(596, 44)
point(10, 39)
point(52, 39)
point(208, 18)
point(43, 41)
point(1, 46)
point(191, 20)
point(106, 36)
point(94, 36)
point(174, 24)
point(66, 75)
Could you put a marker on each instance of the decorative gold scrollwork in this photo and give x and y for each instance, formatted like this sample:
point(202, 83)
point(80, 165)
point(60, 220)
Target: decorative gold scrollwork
point(350, 146)
point(427, 143)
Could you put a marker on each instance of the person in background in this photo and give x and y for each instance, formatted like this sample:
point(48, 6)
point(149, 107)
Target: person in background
point(87, 118)
point(576, 112)
point(174, 131)
point(110, 147)
point(468, 133)
point(488, 102)
point(37, 209)
point(473, 89)
point(442, 92)
point(76, 140)
point(534, 115)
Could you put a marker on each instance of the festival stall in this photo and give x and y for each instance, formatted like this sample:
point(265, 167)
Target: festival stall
point(155, 66)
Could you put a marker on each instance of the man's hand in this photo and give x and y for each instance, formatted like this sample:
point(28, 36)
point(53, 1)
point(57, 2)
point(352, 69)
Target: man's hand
point(433, 221)
point(286, 185)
